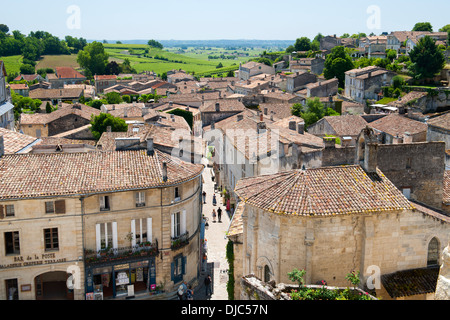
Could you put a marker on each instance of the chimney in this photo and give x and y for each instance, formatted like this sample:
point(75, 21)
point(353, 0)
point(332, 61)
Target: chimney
point(150, 149)
point(217, 107)
point(370, 157)
point(330, 142)
point(407, 138)
point(292, 125)
point(261, 117)
point(265, 111)
point(164, 171)
point(108, 129)
point(2, 146)
point(213, 125)
point(260, 127)
point(301, 127)
point(240, 117)
point(346, 141)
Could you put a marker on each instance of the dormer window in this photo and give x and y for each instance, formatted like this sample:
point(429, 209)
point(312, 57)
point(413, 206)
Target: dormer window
point(177, 196)
point(104, 203)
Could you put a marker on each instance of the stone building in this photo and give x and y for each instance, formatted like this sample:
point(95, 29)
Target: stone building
point(299, 80)
point(123, 223)
point(395, 128)
point(417, 169)
point(64, 76)
point(366, 83)
point(329, 221)
point(104, 81)
point(6, 107)
point(250, 69)
point(66, 118)
point(322, 88)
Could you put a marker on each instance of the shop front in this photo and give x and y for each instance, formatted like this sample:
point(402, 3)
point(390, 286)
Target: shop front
point(118, 277)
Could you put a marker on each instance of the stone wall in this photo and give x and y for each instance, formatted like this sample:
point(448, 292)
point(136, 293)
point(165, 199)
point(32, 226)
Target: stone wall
point(443, 284)
point(66, 123)
point(328, 248)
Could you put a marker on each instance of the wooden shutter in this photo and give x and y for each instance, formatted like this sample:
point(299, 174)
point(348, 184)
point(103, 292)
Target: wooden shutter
point(149, 230)
point(2, 212)
point(133, 231)
point(183, 222)
point(60, 206)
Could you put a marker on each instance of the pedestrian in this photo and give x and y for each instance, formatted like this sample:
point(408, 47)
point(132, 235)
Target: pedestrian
point(214, 200)
point(204, 196)
point(208, 285)
point(219, 214)
point(182, 290)
point(214, 215)
point(190, 293)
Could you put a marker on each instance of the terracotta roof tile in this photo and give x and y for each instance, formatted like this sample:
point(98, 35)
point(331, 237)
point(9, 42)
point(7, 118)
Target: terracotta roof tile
point(67, 174)
point(397, 125)
point(410, 282)
point(322, 191)
point(15, 141)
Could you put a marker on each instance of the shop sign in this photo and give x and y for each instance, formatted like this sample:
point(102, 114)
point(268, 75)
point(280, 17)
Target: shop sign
point(122, 278)
point(33, 260)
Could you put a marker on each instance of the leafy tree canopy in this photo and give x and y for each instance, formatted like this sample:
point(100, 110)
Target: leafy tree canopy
point(100, 123)
point(336, 64)
point(426, 58)
point(155, 44)
point(302, 44)
point(423, 26)
point(93, 59)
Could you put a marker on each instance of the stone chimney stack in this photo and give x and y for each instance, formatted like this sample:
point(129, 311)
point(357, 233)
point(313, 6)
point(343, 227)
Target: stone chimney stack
point(164, 171)
point(293, 125)
point(240, 117)
point(150, 147)
point(265, 111)
point(2, 146)
point(217, 107)
point(301, 127)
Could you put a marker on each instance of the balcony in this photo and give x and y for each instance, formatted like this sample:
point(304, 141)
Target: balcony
point(124, 254)
point(179, 241)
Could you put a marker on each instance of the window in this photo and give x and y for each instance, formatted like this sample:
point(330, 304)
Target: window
point(51, 239)
point(9, 210)
point(12, 291)
point(141, 230)
point(266, 273)
point(140, 199)
point(49, 207)
point(176, 225)
point(433, 253)
point(408, 163)
point(106, 235)
point(178, 268)
point(12, 244)
point(104, 203)
point(177, 194)
point(58, 207)
point(407, 192)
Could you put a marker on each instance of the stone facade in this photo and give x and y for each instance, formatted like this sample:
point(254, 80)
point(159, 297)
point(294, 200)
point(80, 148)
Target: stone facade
point(322, 88)
point(366, 83)
point(299, 80)
point(395, 240)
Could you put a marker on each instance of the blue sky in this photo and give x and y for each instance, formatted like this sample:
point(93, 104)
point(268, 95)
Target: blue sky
point(213, 19)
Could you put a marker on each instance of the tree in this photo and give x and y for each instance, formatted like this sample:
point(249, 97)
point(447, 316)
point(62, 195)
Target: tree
point(445, 28)
point(100, 123)
point(27, 69)
point(336, 64)
point(302, 44)
point(113, 98)
point(112, 68)
point(426, 58)
point(313, 111)
point(93, 59)
point(423, 26)
point(126, 67)
point(155, 44)
point(48, 107)
point(4, 28)
point(391, 54)
point(290, 49)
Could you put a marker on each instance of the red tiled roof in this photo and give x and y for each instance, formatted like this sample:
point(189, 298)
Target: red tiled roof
point(68, 174)
point(322, 192)
point(15, 141)
point(105, 77)
point(397, 125)
point(68, 73)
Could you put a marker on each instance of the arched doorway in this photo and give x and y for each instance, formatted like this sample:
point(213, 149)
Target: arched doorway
point(433, 253)
point(52, 286)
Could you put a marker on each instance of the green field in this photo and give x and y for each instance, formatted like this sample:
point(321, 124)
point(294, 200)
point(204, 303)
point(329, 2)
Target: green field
point(192, 60)
point(58, 61)
point(12, 63)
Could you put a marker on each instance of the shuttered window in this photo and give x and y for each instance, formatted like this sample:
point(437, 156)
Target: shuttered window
point(58, 207)
point(51, 239)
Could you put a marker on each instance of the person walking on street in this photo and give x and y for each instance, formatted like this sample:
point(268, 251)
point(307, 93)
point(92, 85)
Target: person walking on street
point(204, 196)
point(214, 215)
point(214, 200)
point(208, 285)
point(190, 293)
point(182, 289)
point(219, 214)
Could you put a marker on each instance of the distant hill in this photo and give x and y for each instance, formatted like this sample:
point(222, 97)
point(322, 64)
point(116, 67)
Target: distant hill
point(212, 43)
